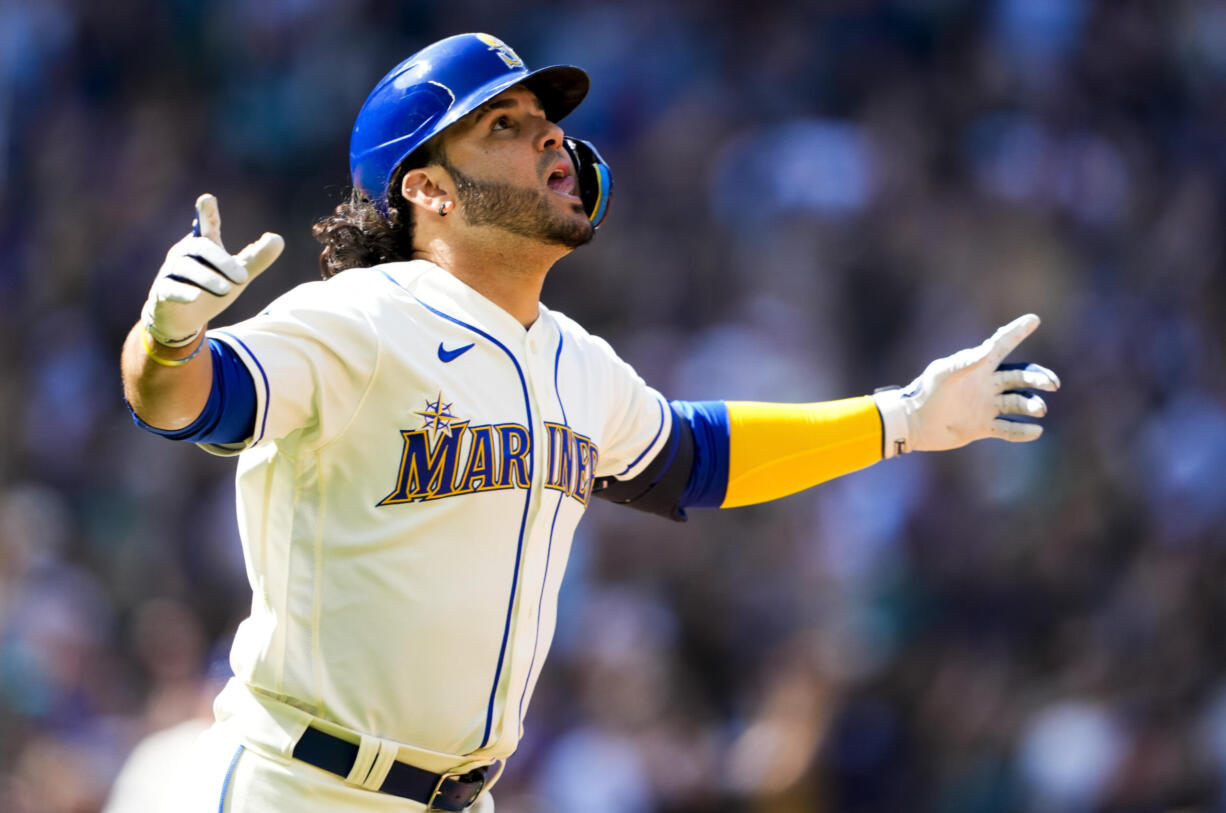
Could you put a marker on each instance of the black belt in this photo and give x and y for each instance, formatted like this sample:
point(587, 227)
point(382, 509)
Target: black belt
point(447, 791)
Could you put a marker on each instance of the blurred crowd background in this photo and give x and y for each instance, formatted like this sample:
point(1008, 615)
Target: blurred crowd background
point(813, 199)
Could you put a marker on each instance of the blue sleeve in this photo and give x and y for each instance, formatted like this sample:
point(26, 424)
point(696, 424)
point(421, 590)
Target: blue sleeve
point(708, 481)
point(690, 469)
point(229, 414)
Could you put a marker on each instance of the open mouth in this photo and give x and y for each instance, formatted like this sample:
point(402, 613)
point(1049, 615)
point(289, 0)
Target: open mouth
point(562, 181)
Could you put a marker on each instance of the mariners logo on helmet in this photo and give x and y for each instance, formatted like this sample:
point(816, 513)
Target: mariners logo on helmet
point(503, 50)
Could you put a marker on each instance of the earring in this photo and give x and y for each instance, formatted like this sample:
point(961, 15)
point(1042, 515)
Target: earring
point(442, 209)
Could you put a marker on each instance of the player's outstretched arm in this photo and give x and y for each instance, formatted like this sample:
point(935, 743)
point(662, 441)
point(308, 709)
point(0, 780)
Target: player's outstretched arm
point(166, 378)
point(733, 453)
point(778, 449)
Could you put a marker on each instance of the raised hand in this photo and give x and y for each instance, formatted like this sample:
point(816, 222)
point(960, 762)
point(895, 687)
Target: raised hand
point(199, 278)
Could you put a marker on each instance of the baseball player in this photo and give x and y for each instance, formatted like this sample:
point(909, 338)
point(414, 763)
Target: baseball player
point(418, 436)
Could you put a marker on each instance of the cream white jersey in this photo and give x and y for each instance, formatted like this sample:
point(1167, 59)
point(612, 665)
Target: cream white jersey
point(409, 494)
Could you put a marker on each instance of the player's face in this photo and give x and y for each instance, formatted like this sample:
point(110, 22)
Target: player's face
point(512, 173)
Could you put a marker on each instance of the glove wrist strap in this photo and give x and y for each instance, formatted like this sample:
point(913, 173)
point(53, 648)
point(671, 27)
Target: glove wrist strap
point(167, 341)
point(150, 324)
point(894, 435)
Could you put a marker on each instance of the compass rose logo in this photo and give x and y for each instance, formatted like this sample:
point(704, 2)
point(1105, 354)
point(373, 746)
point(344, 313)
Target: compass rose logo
point(438, 416)
point(509, 57)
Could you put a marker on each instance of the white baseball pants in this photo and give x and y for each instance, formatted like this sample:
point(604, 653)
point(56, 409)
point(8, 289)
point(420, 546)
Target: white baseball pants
point(223, 774)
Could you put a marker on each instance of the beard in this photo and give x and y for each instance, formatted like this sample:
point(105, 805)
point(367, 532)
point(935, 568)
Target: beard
point(516, 210)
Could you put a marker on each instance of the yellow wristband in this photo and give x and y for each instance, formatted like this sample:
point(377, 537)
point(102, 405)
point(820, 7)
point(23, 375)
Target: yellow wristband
point(144, 339)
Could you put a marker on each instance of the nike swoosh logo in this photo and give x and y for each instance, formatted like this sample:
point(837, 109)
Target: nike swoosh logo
point(445, 355)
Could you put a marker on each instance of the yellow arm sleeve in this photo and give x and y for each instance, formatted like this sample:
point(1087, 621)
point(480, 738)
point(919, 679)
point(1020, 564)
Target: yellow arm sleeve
point(779, 449)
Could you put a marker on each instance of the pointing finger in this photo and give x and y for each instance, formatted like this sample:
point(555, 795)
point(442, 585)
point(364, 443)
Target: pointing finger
point(208, 218)
point(1007, 338)
point(262, 253)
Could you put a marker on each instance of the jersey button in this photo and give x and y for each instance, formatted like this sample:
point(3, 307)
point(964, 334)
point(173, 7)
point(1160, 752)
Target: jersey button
point(532, 345)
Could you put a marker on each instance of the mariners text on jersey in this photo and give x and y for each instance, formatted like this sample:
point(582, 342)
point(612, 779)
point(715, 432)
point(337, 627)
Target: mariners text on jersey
point(449, 457)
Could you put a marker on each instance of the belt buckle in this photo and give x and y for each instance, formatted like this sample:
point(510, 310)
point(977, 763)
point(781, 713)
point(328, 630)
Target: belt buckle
point(438, 790)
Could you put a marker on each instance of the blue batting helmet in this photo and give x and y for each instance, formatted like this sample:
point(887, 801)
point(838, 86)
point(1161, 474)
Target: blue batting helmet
point(434, 88)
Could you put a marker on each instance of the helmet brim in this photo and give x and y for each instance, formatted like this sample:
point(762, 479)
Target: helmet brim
point(560, 88)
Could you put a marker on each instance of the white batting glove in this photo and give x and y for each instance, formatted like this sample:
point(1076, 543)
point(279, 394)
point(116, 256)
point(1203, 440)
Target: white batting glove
point(200, 278)
point(962, 398)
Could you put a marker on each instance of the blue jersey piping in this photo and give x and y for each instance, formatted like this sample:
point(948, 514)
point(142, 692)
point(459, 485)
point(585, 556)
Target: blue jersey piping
point(523, 523)
point(654, 438)
point(225, 783)
point(548, 550)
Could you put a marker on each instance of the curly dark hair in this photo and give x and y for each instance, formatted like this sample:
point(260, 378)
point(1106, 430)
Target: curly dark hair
point(358, 235)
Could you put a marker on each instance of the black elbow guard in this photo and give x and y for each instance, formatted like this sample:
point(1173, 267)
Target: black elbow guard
point(658, 489)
